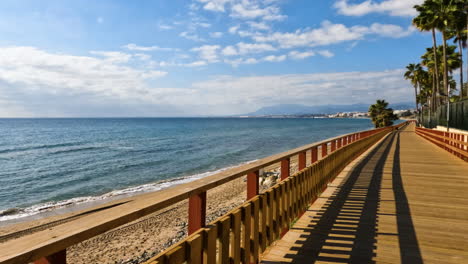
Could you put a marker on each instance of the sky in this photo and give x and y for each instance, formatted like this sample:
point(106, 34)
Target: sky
point(119, 58)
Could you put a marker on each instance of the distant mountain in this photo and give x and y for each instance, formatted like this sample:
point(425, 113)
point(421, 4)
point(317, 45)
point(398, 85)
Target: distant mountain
point(297, 109)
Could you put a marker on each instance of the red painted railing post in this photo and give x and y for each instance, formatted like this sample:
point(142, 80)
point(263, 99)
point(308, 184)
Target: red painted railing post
point(197, 212)
point(302, 160)
point(252, 184)
point(340, 142)
point(56, 258)
point(324, 150)
point(333, 145)
point(313, 155)
point(285, 168)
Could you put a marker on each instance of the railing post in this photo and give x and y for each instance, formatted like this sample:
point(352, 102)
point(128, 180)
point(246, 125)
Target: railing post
point(324, 150)
point(313, 155)
point(333, 145)
point(285, 168)
point(302, 160)
point(56, 258)
point(252, 184)
point(197, 212)
point(340, 142)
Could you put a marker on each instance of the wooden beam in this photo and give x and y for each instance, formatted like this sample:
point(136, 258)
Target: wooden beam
point(252, 184)
point(197, 212)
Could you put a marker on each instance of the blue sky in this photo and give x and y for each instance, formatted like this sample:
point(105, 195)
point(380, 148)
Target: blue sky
point(201, 57)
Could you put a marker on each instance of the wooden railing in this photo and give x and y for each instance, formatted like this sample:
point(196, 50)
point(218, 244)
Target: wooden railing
point(455, 143)
point(241, 235)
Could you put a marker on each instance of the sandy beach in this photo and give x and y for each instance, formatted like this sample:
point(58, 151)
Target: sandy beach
point(137, 241)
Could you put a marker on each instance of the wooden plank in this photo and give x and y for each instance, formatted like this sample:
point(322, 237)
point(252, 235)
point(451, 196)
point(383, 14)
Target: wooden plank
point(277, 211)
point(57, 258)
point(210, 235)
point(285, 168)
point(246, 227)
point(236, 220)
point(177, 255)
point(411, 215)
point(252, 184)
point(263, 222)
point(255, 230)
point(196, 212)
point(270, 217)
point(301, 160)
point(195, 249)
point(224, 226)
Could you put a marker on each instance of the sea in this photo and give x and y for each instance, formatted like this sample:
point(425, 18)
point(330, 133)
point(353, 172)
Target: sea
point(51, 164)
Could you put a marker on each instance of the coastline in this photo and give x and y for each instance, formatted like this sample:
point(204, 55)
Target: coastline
point(141, 239)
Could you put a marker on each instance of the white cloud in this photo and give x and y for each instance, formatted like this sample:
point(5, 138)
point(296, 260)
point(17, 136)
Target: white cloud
point(258, 25)
point(165, 27)
point(301, 55)
point(247, 94)
point(153, 74)
point(216, 34)
point(208, 53)
point(28, 73)
point(191, 36)
point(326, 53)
point(330, 33)
point(239, 61)
point(142, 56)
point(229, 51)
point(274, 58)
point(391, 31)
point(391, 7)
point(214, 5)
point(196, 64)
point(246, 48)
point(252, 10)
point(135, 47)
point(34, 82)
point(233, 29)
point(245, 9)
point(113, 56)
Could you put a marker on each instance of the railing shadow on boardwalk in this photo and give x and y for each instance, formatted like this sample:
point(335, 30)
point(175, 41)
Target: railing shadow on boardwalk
point(348, 221)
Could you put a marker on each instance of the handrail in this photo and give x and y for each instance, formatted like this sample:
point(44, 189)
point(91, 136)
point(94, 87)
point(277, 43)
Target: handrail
point(455, 143)
point(50, 245)
point(243, 234)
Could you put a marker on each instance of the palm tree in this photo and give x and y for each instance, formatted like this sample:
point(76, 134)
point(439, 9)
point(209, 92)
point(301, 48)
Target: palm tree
point(413, 74)
point(453, 60)
point(381, 115)
point(425, 21)
point(459, 31)
point(438, 14)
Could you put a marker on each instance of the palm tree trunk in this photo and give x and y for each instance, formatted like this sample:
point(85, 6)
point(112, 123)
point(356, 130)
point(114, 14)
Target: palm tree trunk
point(446, 86)
point(460, 48)
point(436, 67)
point(416, 96)
point(434, 95)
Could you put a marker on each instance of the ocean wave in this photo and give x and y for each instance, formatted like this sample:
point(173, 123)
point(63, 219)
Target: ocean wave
point(17, 213)
point(78, 149)
point(46, 146)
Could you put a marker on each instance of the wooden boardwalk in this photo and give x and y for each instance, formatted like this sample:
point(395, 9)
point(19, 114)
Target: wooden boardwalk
point(403, 201)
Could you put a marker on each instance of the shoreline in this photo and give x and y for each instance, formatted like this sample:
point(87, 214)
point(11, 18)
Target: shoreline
point(56, 208)
point(143, 238)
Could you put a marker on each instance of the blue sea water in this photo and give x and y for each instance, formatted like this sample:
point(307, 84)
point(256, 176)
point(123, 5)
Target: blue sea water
point(48, 163)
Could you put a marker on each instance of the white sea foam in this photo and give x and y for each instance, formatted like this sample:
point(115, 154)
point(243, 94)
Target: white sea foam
point(18, 213)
